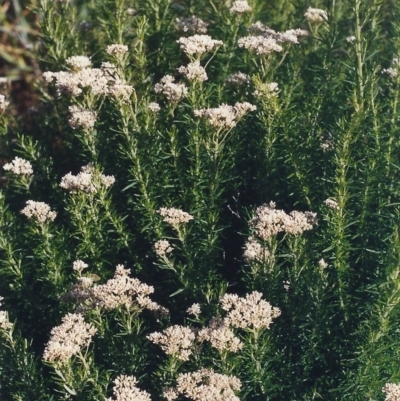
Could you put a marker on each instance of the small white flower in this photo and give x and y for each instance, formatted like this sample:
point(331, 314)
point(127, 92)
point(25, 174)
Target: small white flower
point(240, 7)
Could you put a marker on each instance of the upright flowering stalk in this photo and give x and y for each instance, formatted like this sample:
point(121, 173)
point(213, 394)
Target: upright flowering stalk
point(178, 220)
point(67, 351)
point(253, 315)
point(90, 207)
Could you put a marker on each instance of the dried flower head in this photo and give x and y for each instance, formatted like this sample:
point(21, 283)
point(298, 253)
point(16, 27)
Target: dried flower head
point(205, 385)
point(173, 216)
point(250, 312)
point(260, 44)
point(162, 247)
point(125, 390)
point(79, 265)
point(19, 166)
point(171, 90)
point(120, 90)
point(254, 251)
point(316, 15)
point(264, 40)
point(194, 310)
point(38, 211)
point(79, 293)
point(154, 107)
point(191, 25)
point(77, 63)
point(81, 117)
point(238, 79)
point(225, 116)
point(69, 338)
point(392, 392)
point(175, 340)
point(269, 221)
point(198, 44)
point(221, 337)
point(117, 50)
point(240, 7)
point(3, 104)
point(194, 72)
point(332, 204)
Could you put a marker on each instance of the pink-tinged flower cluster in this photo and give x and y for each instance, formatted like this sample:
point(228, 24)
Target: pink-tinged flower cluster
point(69, 338)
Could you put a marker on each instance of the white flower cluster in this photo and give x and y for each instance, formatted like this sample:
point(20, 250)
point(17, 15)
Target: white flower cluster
point(198, 44)
point(39, 211)
point(194, 310)
point(102, 81)
point(264, 40)
point(392, 392)
point(5, 323)
point(240, 7)
point(191, 25)
point(194, 72)
point(19, 166)
point(117, 50)
point(125, 390)
point(393, 71)
point(220, 335)
point(154, 107)
point(3, 104)
point(269, 221)
point(171, 90)
point(87, 181)
point(316, 15)
point(254, 251)
point(322, 264)
point(238, 79)
point(119, 291)
point(332, 204)
point(79, 266)
point(351, 39)
point(175, 340)
point(173, 216)
point(81, 117)
point(250, 312)
point(267, 90)
point(69, 338)
point(162, 247)
point(78, 62)
point(225, 116)
point(204, 385)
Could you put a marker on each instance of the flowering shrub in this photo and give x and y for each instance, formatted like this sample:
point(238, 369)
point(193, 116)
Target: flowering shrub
point(203, 203)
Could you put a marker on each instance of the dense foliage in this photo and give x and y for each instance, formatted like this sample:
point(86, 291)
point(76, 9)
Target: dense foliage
point(205, 205)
